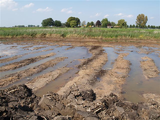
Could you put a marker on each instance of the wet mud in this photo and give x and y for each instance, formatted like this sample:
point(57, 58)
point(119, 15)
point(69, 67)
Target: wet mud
point(25, 62)
point(150, 70)
point(28, 72)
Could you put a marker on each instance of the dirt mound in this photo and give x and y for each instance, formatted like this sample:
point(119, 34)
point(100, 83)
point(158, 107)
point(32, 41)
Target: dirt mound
point(18, 102)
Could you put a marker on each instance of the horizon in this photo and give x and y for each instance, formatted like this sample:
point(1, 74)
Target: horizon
point(24, 12)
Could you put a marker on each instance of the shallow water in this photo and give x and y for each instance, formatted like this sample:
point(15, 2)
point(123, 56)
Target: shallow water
point(136, 84)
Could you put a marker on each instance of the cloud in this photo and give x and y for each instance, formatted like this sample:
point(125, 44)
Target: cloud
point(28, 5)
point(8, 4)
point(124, 15)
point(15, 9)
point(151, 17)
point(96, 15)
point(106, 15)
point(79, 12)
point(120, 14)
point(129, 16)
point(47, 9)
point(67, 10)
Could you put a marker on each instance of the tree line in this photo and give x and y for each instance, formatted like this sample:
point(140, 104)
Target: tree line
point(75, 22)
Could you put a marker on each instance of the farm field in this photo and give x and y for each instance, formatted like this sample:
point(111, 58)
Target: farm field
point(101, 34)
point(76, 71)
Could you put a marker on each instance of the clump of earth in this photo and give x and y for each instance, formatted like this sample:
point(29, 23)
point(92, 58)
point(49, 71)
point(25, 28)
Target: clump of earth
point(20, 103)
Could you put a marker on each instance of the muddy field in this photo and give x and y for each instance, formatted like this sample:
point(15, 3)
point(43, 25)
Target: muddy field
point(128, 71)
point(131, 72)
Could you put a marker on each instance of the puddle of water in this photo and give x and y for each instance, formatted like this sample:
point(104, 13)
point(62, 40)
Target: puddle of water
point(136, 84)
point(111, 58)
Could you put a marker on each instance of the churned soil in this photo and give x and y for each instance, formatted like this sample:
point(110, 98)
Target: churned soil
point(28, 72)
point(149, 68)
point(24, 62)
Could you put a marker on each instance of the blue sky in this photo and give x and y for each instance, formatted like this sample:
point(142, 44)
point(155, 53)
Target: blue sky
point(25, 12)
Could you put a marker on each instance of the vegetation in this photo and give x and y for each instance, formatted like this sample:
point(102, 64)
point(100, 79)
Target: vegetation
point(98, 33)
point(105, 22)
point(122, 23)
point(57, 23)
point(48, 22)
point(70, 21)
point(141, 20)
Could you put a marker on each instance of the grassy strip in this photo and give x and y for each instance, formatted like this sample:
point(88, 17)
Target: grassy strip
point(114, 33)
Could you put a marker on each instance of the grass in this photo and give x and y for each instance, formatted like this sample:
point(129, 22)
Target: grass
point(102, 33)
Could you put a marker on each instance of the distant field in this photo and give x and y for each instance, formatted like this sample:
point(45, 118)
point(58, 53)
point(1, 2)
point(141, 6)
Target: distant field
point(98, 33)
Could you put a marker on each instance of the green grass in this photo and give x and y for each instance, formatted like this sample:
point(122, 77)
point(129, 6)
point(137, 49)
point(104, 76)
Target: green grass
point(105, 33)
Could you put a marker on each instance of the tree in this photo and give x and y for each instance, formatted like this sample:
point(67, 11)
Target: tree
point(98, 23)
point(92, 23)
point(88, 24)
point(74, 18)
point(83, 23)
point(141, 20)
point(67, 24)
point(113, 24)
point(134, 26)
point(57, 23)
point(104, 22)
point(122, 23)
point(47, 22)
point(149, 26)
point(73, 23)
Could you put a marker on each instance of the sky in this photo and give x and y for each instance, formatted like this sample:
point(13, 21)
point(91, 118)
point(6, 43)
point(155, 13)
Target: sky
point(32, 12)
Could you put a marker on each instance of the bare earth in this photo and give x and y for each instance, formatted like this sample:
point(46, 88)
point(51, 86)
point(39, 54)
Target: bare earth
point(42, 80)
point(25, 62)
point(149, 68)
point(28, 72)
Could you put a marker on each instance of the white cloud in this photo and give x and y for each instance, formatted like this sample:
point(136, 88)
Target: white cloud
point(106, 15)
point(28, 5)
point(15, 9)
point(96, 15)
point(67, 10)
point(120, 14)
point(124, 15)
point(8, 4)
point(47, 9)
point(79, 12)
point(129, 16)
point(151, 17)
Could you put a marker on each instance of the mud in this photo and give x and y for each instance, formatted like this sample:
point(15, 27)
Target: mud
point(149, 68)
point(18, 102)
point(25, 62)
point(11, 58)
point(44, 79)
point(112, 80)
point(37, 48)
point(70, 48)
point(28, 72)
point(89, 69)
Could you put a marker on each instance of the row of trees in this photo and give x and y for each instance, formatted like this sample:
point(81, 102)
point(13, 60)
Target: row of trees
point(75, 22)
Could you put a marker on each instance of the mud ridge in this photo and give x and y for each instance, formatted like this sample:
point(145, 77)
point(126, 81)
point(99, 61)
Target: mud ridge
point(89, 69)
point(44, 79)
point(28, 72)
point(149, 68)
point(18, 102)
point(70, 48)
point(25, 62)
point(11, 58)
point(112, 80)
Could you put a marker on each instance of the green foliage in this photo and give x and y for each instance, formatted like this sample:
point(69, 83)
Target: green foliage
point(105, 22)
point(47, 22)
point(73, 23)
point(92, 23)
point(57, 23)
point(114, 33)
point(75, 19)
point(122, 23)
point(141, 20)
point(88, 24)
point(113, 24)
